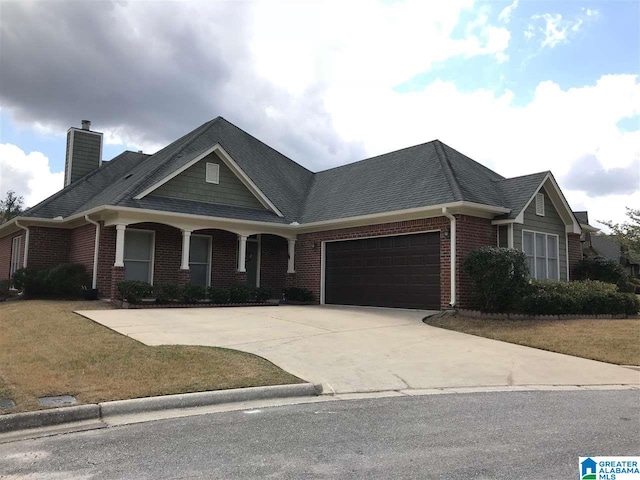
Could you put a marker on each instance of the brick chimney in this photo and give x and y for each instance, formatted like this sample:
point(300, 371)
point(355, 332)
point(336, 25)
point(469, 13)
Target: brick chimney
point(84, 152)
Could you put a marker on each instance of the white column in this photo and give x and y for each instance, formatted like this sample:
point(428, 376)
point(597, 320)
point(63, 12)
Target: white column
point(242, 253)
point(291, 268)
point(186, 243)
point(26, 249)
point(120, 229)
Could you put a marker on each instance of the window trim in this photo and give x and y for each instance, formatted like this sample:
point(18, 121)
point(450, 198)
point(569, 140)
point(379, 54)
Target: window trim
point(15, 255)
point(209, 255)
point(210, 165)
point(540, 211)
point(546, 255)
point(152, 260)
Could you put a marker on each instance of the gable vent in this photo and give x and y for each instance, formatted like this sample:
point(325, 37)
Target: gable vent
point(212, 173)
point(540, 204)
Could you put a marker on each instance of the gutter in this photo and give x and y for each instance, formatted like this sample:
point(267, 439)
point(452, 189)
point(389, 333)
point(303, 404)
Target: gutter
point(26, 243)
point(452, 236)
point(94, 280)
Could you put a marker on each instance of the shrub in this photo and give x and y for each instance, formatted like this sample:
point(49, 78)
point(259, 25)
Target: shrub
point(192, 293)
point(298, 294)
point(166, 292)
point(601, 269)
point(134, 290)
point(33, 282)
point(219, 296)
point(68, 280)
point(5, 285)
point(262, 294)
point(498, 275)
point(542, 302)
point(239, 293)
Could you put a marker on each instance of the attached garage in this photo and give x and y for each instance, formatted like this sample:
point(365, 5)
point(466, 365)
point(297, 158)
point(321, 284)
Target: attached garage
point(393, 271)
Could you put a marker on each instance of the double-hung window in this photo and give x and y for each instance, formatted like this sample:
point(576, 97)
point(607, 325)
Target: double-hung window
point(138, 255)
point(200, 259)
point(541, 250)
point(16, 244)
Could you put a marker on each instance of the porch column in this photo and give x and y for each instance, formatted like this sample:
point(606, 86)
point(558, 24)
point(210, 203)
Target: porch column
point(120, 229)
point(186, 243)
point(242, 253)
point(291, 267)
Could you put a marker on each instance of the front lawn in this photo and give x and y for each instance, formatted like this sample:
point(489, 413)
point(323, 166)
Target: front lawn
point(613, 341)
point(46, 349)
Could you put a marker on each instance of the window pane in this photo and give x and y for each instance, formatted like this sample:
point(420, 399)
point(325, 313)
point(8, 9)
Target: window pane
point(541, 245)
point(503, 231)
point(199, 250)
point(137, 245)
point(553, 269)
point(552, 245)
point(137, 270)
point(541, 268)
point(528, 243)
point(530, 264)
point(199, 274)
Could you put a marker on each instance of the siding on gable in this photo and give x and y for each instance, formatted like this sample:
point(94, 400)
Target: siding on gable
point(550, 223)
point(191, 185)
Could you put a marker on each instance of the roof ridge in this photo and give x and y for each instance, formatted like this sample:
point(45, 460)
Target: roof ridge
point(74, 185)
point(448, 171)
point(521, 176)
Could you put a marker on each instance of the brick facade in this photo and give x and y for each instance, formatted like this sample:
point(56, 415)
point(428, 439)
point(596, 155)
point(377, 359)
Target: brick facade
point(274, 259)
point(574, 254)
point(48, 247)
point(82, 246)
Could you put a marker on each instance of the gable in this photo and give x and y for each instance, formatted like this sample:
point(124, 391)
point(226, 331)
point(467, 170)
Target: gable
point(191, 184)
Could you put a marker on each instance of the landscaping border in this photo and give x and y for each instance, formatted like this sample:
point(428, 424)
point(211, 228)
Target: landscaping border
point(126, 305)
point(522, 316)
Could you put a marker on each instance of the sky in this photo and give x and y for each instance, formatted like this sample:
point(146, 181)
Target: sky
point(519, 86)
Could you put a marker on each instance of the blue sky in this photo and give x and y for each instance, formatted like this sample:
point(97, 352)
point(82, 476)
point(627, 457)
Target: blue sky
point(520, 86)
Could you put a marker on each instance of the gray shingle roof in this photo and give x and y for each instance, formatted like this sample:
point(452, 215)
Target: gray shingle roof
point(423, 175)
point(605, 247)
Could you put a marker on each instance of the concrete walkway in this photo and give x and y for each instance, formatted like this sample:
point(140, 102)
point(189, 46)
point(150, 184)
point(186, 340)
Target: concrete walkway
point(353, 349)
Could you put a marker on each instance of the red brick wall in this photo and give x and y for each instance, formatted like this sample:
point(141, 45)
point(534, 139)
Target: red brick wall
point(472, 233)
point(273, 263)
point(106, 259)
point(48, 247)
point(308, 250)
point(575, 253)
point(82, 246)
point(5, 253)
point(168, 251)
point(223, 257)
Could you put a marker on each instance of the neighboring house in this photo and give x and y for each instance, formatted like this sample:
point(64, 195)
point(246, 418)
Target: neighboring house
point(218, 206)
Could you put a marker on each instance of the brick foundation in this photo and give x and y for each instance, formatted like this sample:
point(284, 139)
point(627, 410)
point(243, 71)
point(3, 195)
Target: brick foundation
point(184, 276)
point(117, 275)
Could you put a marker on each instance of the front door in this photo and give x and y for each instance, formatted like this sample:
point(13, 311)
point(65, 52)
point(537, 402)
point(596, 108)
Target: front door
point(251, 263)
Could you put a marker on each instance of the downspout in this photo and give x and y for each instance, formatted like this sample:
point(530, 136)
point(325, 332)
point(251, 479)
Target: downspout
point(26, 244)
point(94, 280)
point(452, 254)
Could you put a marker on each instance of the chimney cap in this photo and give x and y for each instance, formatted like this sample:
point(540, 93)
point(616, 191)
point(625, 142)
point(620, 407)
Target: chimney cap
point(86, 124)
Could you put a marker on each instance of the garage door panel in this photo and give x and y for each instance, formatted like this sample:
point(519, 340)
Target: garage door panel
point(397, 271)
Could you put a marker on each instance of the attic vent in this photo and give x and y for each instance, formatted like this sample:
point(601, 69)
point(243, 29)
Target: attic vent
point(213, 173)
point(540, 204)
point(129, 175)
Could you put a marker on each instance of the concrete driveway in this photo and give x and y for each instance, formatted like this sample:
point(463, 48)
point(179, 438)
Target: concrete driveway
point(354, 349)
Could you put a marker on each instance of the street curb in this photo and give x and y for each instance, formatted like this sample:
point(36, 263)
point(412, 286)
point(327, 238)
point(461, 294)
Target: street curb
point(45, 418)
point(57, 416)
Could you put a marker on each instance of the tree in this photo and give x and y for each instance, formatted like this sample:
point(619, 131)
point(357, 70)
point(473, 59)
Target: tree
point(627, 234)
point(11, 206)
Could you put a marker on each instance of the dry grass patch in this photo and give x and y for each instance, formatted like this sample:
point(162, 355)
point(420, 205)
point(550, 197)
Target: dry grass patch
point(46, 349)
point(614, 341)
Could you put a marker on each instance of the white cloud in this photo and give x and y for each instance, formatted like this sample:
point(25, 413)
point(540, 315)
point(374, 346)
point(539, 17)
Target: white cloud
point(556, 29)
point(505, 14)
point(29, 175)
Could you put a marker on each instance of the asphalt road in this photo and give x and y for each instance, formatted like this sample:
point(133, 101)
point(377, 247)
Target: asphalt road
point(523, 435)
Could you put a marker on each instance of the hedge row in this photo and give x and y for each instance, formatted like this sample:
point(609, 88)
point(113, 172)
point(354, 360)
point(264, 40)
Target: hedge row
point(69, 280)
point(134, 291)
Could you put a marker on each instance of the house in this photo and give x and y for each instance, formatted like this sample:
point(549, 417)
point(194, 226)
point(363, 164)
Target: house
point(218, 206)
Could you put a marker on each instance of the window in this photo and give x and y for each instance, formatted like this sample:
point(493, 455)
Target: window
point(541, 250)
point(138, 255)
point(212, 173)
point(503, 236)
point(16, 243)
point(200, 259)
point(540, 204)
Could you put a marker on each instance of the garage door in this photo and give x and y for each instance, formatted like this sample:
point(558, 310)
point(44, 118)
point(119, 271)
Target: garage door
point(400, 271)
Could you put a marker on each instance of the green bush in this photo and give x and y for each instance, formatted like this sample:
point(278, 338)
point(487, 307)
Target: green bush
point(219, 296)
point(239, 293)
point(5, 286)
point(166, 292)
point(297, 294)
point(544, 297)
point(134, 290)
point(601, 269)
point(68, 280)
point(263, 294)
point(498, 275)
point(192, 293)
